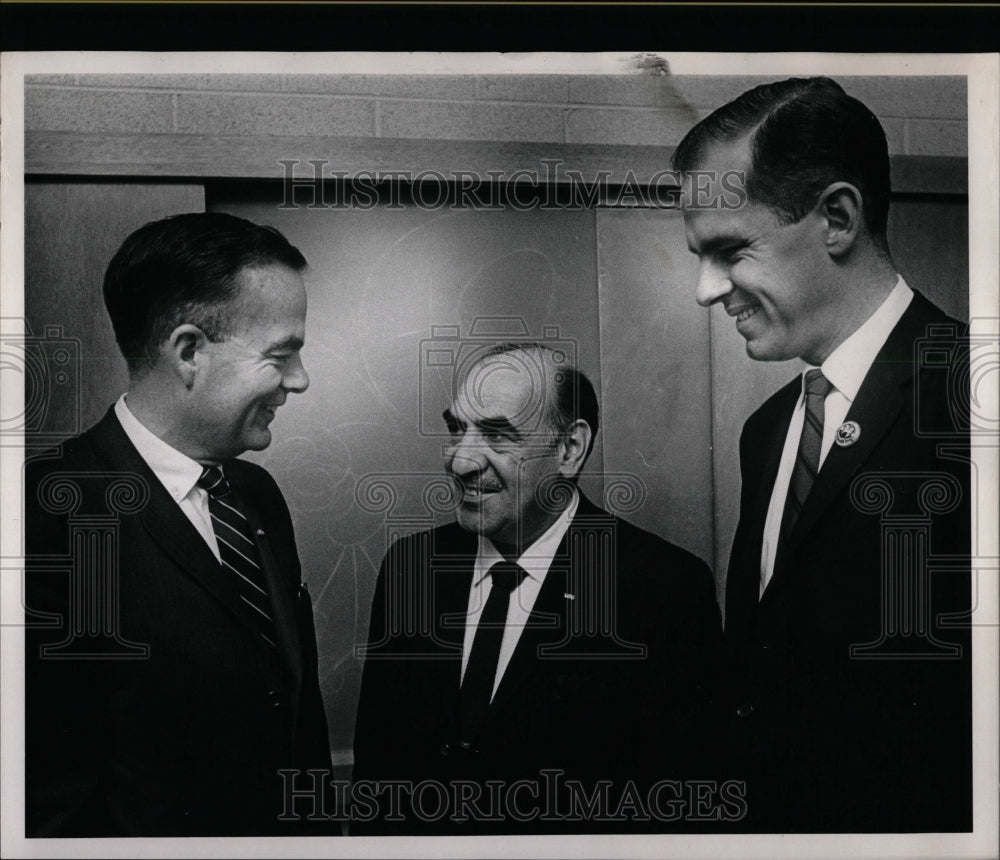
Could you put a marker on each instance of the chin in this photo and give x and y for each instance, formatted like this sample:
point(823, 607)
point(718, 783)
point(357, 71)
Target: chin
point(259, 441)
point(764, 352)
point(469, 521)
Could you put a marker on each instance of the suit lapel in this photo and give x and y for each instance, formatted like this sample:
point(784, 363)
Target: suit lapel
point(163, 519)
point(547, 623)
point(544, 625)
point(768, 446)
point(877, 407)
point(763, 447)
point(451, 575)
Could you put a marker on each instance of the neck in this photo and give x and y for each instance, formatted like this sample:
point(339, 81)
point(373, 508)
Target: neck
point(863, 288)
point(159, 413)
point(514, 550)
point(510, 552)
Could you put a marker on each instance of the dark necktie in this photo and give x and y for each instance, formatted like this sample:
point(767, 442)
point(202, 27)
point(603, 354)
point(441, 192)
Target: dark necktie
point(481, 670)
point(238, 551)
point(807, 459)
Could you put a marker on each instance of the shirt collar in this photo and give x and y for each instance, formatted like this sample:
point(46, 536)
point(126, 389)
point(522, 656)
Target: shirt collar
point(176, 471)
point(537, 558)
point(848, 365)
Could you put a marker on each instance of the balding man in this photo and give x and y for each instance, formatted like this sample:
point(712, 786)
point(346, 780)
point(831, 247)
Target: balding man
point(560, 674)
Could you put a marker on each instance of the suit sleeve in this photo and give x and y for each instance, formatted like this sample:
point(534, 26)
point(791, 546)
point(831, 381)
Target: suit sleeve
point(67, 701)
point(695, 652)
point(372, 733)
point(312, 733)
point(674, 723)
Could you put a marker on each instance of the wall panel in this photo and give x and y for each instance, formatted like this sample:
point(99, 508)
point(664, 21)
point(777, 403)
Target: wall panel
point(655, 373)
point(929, 241)
point(71, 231)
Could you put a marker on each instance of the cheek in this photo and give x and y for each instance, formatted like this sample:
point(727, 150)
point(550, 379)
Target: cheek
point(260, 384)
point(266, 377)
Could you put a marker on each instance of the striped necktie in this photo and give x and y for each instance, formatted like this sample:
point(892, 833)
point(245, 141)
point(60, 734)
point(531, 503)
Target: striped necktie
point(238, 551)
point(807, 459)
point(481, 671)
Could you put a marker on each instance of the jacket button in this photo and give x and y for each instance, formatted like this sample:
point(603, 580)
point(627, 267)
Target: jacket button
point(744, 710)
point(445, 749)
point(465, 746)
point(275, 698)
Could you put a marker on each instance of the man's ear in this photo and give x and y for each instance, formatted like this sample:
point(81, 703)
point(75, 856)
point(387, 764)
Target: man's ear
point(840, 205)
point(574, 447)
point(184, 352)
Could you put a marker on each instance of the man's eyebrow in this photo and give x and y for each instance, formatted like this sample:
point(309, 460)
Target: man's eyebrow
point(498, 424)
point(490, 424)
point(714, 244)
point(290, 342)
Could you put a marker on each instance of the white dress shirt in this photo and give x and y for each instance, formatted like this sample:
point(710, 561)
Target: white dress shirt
point(536, 561)
point(176, 471)
point(846, 368)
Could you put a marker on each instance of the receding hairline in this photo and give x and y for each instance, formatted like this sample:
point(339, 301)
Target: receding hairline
point(549, 407)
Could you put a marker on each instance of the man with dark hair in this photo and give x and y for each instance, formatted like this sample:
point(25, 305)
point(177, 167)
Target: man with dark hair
point(540, 662)
point(173, 672)
point(849, 684)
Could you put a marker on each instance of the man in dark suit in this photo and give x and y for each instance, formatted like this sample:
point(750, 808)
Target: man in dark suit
point(171, 656)
point(539, 665)
point(849, 687)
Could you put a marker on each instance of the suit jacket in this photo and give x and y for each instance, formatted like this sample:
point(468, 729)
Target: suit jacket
point(152, 708)
point(593, 700)
point(878, 738)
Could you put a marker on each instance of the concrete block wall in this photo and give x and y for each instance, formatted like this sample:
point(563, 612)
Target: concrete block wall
point(921, 116)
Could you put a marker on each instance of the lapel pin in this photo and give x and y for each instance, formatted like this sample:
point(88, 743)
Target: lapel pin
point(847, 434)
point(260, 532)
point(569, 596)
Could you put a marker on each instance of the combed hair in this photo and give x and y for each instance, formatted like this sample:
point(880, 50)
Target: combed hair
point(806, 133)
point(183, 269)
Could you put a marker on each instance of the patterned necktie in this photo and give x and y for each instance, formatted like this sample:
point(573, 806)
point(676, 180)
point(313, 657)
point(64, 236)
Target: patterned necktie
point(238, 551)
point(807, 458)
point(481, 671)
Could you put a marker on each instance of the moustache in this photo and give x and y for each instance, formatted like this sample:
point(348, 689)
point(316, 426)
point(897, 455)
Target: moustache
point(479, 485)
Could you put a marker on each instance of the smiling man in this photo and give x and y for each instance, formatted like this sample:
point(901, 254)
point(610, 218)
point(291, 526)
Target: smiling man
point(173, 673)
point(539, 665)
point(849, 701)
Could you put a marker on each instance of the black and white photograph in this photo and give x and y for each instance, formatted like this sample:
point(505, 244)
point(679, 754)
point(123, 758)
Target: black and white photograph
point(478, 454)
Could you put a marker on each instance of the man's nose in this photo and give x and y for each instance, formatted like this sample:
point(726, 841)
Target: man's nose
point(465, 456)
point(295, 378)
point(713, 283)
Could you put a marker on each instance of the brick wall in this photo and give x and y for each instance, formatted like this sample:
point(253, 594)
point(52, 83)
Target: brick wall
point(921, 115)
